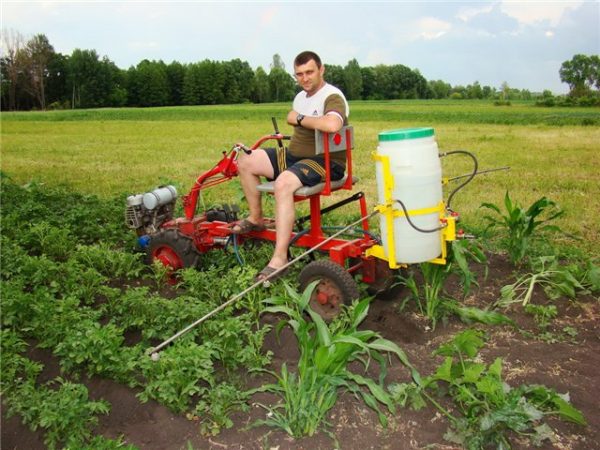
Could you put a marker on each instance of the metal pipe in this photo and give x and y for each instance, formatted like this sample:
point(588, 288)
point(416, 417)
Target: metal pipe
point(479, 172)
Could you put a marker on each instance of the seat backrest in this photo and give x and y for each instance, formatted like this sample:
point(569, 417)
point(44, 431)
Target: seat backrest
point(337, 142)
point(326, 143)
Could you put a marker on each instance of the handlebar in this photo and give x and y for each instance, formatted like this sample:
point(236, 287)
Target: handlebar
point(277, 135)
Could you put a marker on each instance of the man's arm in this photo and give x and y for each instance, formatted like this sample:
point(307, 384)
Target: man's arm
point(329, 123)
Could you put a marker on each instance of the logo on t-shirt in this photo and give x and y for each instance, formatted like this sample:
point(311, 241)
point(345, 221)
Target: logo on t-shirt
point(315, 113)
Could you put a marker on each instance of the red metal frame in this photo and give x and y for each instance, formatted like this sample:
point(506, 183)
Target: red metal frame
point(208, 235)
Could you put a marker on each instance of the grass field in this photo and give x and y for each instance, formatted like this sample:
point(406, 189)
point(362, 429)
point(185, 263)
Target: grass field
point(553, 152)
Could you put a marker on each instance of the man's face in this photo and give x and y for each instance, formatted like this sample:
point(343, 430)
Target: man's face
point(309, 76)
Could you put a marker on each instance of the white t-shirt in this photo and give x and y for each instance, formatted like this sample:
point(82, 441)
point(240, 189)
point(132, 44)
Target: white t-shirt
point(314, 106)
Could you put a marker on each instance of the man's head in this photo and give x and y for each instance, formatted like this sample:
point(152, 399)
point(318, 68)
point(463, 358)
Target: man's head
point(309, 71)
point(305, 57)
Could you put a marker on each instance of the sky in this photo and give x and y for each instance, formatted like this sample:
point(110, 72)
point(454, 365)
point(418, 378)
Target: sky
point(522, 43)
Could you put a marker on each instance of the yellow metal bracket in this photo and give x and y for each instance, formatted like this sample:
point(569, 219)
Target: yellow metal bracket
point(448, 232)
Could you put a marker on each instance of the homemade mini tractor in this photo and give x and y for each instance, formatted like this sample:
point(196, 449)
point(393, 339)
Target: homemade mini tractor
point(415, 223)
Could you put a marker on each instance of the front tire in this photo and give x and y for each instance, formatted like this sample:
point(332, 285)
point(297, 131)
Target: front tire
point(174, 250)
point(336, 287)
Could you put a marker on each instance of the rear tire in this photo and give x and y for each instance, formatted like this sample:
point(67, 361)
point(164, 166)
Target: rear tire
point(336, 287)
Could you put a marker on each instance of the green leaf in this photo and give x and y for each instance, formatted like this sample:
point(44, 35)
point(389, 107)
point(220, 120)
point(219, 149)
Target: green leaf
point(472, 372)
point(495, 368)
point(568, 411)
point(467, 342)
point(444, 371)
point(377, 391)
point(323, 333)
point(389, 346)
point(472, 314)
point(359, 313)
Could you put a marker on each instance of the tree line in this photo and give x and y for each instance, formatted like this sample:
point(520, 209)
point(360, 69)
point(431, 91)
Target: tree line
point(35, 76)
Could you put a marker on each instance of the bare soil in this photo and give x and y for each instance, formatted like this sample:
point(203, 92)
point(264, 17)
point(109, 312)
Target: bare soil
point(570, 365)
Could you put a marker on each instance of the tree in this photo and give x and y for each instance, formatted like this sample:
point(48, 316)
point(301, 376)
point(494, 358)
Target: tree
point(151, 84)
point(474, 90)
point(38, 53)
point(353, 80)
point(175, 75)
point(440, 89)
point(94, 82)
point(204, 83)
point(281, 84)
point(12, 43)
point(581, 73)
point(488, 92)
point(244, 76)
point(261, 91)
point(335, 76)
point(368, 83)
point(57, 91)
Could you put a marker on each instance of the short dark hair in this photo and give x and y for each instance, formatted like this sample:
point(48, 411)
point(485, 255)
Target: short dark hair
point(305, 57)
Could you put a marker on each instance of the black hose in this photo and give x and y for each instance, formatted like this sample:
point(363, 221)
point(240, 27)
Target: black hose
point(410, 222)
point(468, 180)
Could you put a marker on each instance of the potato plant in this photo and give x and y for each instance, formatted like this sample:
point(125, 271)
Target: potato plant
point(59, 290)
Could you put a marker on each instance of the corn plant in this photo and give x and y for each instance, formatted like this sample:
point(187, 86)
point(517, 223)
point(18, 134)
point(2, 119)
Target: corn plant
point(432, 300)
point(308, 394)
point(523, 226)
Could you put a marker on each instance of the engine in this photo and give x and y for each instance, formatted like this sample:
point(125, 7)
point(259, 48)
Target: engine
point(145, 213)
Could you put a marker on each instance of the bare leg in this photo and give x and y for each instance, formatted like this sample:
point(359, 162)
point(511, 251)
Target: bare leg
point(251, 167)
point(285, 213)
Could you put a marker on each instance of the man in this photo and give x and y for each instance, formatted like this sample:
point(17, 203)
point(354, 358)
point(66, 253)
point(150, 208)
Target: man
point(319, 106)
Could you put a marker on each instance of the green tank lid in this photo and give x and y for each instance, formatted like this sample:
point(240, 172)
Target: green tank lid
point(405, 133)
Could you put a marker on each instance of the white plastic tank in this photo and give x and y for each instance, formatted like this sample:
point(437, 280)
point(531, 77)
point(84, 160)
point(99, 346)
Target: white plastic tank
point(417, 181)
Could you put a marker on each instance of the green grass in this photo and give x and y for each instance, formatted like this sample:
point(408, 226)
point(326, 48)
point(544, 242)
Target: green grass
point(425, 111)
point(115, 152)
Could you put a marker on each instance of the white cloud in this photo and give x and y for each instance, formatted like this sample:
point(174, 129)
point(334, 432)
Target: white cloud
point(431, 28)
point(469, 13)
point(531, 12)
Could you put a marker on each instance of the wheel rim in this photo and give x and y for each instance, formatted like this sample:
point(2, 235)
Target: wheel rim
point(327, 299)
point(170, 259)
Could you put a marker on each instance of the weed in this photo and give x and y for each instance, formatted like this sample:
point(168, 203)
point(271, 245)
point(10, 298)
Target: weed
point(487, 407)
point(102, 443)
point(542, 314)
point(556, 280)
point(216, 405)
